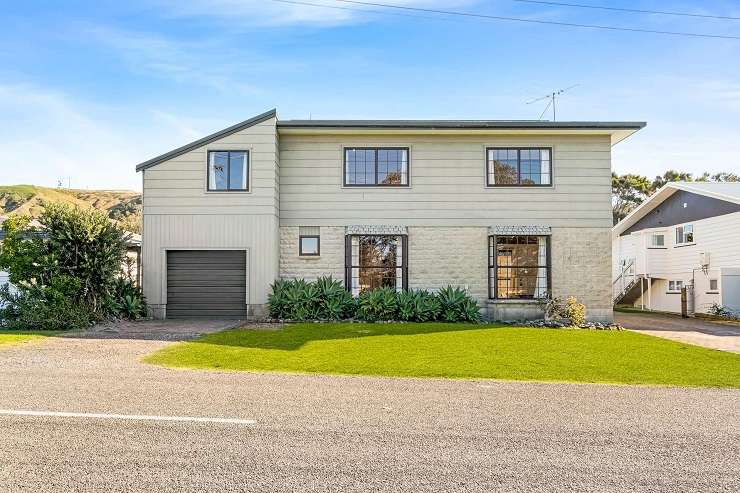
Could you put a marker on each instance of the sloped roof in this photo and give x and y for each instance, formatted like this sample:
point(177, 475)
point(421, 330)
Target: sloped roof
point(618, 130)
point(207, 139)
point(727, 191)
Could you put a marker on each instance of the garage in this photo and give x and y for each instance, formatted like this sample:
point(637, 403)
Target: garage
point(206, 284)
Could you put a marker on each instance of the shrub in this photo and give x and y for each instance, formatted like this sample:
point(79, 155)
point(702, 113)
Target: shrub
point(721, 311)
point(378, 305)
point(64, 272)
point(575, 311)
point(47, 307)
point(457, 306)
point(126, 300)
point(324, 299)
point(418, 306)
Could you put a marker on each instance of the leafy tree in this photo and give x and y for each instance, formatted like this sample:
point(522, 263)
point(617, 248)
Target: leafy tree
point(65, 271)
point(628, 191)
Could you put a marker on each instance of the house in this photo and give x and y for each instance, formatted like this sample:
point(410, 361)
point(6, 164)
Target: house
point(686, 235)
point(511, 211)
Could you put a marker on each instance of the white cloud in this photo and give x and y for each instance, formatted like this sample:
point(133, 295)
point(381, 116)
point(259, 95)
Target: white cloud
point(46, 136)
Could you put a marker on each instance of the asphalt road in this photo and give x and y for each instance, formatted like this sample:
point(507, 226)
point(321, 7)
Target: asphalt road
point(320, 433)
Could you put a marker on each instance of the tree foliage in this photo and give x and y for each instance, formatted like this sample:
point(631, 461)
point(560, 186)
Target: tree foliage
point(66, 271)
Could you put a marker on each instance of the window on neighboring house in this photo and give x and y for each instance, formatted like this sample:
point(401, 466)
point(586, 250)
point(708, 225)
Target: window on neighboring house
point(518, 167)
point(309, 241)
point(375, 261)
point(713, 285)
point(657, 240)
point(376, 167)
point(675, 286)
point(518, 267)
point(684, 234)
point(228, 171)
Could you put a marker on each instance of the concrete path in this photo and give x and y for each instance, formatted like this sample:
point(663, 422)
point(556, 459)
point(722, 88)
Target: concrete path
point(696, 331)
point(330, 433)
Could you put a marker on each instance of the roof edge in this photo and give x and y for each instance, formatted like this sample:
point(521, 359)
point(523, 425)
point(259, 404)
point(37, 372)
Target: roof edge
point(207, 139)
point(461, 124)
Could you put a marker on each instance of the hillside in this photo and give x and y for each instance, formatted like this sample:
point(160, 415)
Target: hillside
point(120, 205)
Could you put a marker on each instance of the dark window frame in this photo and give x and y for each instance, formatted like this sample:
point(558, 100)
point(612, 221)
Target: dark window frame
point(518, 167)
point(300, 246)
point(376, 184)
point(493, 268)
point(348, 259)
point(228, 188)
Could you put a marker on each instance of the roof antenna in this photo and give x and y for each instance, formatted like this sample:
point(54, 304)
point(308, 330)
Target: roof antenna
point(551, 97)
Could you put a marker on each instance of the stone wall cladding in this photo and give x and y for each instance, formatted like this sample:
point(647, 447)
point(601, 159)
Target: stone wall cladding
point(581, 267)
point(330, 262)
point(442, 256)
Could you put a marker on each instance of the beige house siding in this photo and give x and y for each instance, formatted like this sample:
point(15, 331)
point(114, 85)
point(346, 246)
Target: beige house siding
point(179, 213)
point(447, 183)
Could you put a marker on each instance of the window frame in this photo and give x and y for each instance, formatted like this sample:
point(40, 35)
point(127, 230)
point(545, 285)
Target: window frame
point(348, 266)
point(714, 290)
point(376, 149)
point(682, 227)
point(674, 291)
point(248, 171)
point(493, 268)
point(652, 246)
point(518, 167)
point(301, 253)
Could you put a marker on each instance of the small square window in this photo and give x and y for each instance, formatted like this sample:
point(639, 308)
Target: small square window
point(713, 285)
point(309, 246)
point(675, 286)
point(657, 240)
point(685, 234)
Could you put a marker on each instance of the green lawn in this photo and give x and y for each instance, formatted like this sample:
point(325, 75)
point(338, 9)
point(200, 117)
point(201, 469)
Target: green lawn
point(8, 338)
point(459, 351)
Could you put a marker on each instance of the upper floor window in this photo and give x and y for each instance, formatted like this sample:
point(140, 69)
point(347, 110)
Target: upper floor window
point(376, 166)
point(657, 240)
point(228, 171)
point(518, 167)
point(684, 234)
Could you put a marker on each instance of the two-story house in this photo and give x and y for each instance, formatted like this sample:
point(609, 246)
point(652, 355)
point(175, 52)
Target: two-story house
point(686, 235)
point(512, 211)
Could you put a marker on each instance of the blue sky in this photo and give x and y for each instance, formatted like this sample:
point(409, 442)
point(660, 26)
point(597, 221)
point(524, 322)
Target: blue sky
point(91, 89)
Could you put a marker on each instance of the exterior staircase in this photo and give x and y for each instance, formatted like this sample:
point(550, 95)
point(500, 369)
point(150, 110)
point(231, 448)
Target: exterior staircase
point(628, 286)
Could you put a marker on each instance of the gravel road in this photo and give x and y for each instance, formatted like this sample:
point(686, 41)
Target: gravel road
point(329, 433)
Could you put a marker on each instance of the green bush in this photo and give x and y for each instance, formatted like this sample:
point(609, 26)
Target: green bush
point(324, 299)
point(457, 306)
point(64, 271)
point(418, 306)
point(377, 305)
point(47, 307)
point(126, 300)
point(327, 299)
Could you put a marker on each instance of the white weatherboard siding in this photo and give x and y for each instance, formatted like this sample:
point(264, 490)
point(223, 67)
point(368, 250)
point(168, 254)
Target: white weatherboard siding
point(719, 236)
point(180, 214)
point(447, 183)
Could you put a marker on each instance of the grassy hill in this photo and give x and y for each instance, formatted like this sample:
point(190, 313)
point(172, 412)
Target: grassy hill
point(120, 205)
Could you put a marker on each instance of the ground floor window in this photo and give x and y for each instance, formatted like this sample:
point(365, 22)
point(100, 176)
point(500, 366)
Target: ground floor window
point(518, 267)
point(375, 261)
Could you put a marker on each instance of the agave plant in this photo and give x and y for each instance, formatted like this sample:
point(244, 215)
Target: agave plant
point(378, 304)
point(457, 306)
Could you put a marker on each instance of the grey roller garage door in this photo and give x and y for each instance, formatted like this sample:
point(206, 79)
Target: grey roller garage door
point(206, 284)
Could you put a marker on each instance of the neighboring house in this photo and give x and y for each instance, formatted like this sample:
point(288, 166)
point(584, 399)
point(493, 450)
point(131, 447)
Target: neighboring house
point(510, 211)
point(684, 235)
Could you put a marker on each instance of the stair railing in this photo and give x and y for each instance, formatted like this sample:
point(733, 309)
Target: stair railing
point(624, 280)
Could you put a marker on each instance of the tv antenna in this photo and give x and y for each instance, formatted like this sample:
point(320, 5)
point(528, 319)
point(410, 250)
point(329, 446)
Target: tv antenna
point(552, 97)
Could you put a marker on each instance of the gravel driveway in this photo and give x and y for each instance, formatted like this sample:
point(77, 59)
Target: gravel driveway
point(332, 433)
point(713, 335)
